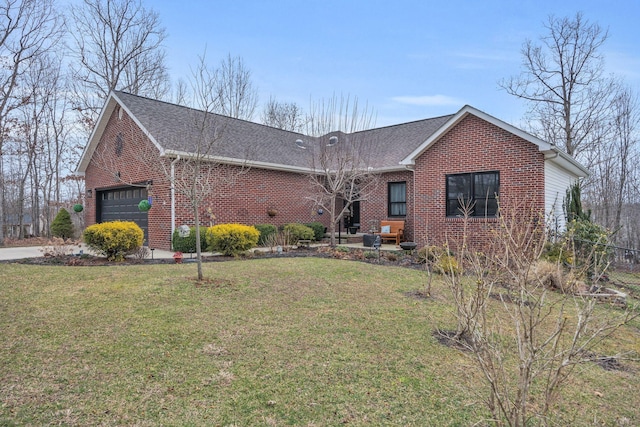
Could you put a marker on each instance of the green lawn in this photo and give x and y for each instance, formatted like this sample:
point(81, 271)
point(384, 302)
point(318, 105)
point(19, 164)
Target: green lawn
point(272, 342)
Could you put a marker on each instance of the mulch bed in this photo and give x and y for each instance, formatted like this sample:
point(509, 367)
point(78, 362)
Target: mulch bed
point(397, 258)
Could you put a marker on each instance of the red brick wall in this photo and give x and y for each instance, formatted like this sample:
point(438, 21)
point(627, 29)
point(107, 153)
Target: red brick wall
point(246, 200)
point(134, 164)
point(474, 145)
point(375, 209)
point(250, 197)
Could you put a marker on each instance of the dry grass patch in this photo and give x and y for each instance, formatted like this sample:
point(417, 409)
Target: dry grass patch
point(300, 341)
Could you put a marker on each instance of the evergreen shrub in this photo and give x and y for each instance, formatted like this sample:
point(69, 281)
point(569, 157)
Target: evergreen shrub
point(298, 231)
point(266, 230)
point(62, 226)
point(114, 239)
point(188, 244)
point(232, 239)
point(318, 230)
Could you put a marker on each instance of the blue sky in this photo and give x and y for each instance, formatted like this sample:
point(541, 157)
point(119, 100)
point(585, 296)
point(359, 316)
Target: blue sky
point(407, 60)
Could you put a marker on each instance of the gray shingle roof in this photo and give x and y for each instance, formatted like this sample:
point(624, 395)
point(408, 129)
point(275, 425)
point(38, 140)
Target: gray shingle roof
point(173, 128)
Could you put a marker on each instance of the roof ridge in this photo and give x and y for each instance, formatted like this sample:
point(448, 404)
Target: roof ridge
point(201, 111)
point(284, 130)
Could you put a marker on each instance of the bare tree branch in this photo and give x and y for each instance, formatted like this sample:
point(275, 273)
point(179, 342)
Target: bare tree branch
point(339, 157)
point(562, 79)
point(118, 45)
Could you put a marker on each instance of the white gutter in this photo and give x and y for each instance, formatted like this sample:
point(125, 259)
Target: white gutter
point(173, 198)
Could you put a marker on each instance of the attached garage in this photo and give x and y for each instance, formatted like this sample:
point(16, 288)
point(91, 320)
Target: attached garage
point(121, 204)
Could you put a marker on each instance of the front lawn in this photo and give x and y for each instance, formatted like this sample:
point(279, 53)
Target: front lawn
point(294, 341)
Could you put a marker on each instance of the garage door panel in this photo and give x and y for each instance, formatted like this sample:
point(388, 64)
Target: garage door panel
point(122, 205)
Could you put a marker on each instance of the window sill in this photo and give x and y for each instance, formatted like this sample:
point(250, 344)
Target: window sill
point(471, 219)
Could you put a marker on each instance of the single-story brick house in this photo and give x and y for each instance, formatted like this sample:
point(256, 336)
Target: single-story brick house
point(425, 165)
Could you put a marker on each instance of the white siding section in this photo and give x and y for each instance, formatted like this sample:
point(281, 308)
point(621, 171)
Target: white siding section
point(556, 182)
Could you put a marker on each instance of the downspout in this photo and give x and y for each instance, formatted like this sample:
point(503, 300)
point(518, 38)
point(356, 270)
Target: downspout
point(173, 198)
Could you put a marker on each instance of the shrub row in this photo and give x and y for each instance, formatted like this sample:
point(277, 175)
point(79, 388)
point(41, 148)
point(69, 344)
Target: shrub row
point(293, 232)
point(116, 239)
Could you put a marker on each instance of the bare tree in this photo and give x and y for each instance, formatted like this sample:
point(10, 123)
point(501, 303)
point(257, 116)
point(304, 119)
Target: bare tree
point(236, 95)
point(562, 80)
point(28, 28)
point(340, 157)
point(196, 174)
point(612, 163)
point(283, 115)
point(118, 45)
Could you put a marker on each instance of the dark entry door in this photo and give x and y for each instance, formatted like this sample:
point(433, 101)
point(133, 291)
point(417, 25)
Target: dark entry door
point(352, 217)
point(122, 205)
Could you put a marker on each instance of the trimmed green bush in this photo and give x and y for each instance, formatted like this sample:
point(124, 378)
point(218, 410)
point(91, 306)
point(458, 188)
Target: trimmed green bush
point(298, 232)
point(265, 230)
point(62, 225)
point(318, 230)
point(188, 244)
point(232, 239)
point(114, 239)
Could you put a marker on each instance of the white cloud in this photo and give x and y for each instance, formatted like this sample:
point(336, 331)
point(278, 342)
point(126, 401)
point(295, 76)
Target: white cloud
point(429, 100)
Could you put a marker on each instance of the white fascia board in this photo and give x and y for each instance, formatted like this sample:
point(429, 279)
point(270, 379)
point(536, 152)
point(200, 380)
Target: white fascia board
point(566, 162)
point(266, 165)
point(550, 151)
point(106, 111)
point(110, 105)
point(461, 114)
point(410, 160)
point(239, 162)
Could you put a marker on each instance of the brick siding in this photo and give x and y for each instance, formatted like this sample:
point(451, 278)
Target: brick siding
point(471, 146)
point(246, 200)
point(475, 145)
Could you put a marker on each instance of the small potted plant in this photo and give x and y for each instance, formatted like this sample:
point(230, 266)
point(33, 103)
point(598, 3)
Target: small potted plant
point(177, 257)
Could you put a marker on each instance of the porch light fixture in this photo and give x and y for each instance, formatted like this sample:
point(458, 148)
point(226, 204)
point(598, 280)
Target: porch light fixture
point(89, 193)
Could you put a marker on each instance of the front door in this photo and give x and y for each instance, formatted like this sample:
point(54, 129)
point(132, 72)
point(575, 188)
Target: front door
point(352, 217)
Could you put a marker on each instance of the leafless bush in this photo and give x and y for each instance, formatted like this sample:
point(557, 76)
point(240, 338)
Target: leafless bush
point(142, 252)
point(532, 335)
point(280, 239)
point(58, 247)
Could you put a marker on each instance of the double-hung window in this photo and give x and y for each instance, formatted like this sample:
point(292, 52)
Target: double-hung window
point(397, 198)
point(476, 192)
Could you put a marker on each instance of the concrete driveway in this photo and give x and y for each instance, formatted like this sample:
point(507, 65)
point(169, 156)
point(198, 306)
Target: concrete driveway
point(15, 253)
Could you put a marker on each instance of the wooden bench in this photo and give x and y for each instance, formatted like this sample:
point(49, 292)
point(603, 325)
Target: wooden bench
point(396, 231)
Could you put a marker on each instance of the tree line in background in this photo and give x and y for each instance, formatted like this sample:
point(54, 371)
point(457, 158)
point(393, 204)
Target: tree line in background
point(58, 65)
point(591, 115)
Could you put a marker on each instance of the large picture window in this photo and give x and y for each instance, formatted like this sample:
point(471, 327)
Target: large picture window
point(398, 198)
point(478, 191)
